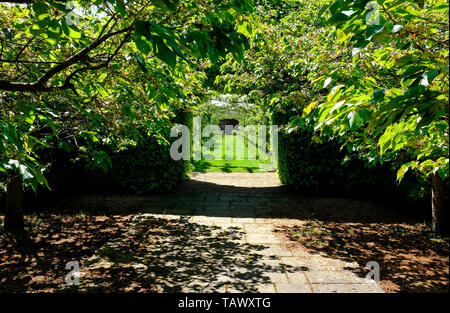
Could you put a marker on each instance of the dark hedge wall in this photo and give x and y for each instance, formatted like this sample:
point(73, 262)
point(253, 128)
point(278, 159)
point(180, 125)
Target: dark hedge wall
point(309, 167)
point(146, 168)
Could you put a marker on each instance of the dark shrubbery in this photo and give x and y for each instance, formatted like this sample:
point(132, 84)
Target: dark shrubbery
point(147, 167)
point(141, 168)
point(144, 168)
point(321, 167)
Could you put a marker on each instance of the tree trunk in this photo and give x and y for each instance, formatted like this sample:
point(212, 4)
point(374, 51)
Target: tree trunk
point(439, 202)
point(14, 206)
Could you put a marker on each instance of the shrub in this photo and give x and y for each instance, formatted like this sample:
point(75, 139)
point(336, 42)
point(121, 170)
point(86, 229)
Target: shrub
point(317, 165)
point(142, 166)
point(147, 167)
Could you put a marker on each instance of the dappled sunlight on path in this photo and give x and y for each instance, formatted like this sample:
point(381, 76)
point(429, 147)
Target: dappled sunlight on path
point(216, 234)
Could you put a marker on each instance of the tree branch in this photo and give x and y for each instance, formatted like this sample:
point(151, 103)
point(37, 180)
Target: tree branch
point(28, 62)
point(97, 67)
point(40, 84)
point(23, 48)
point(80, 55)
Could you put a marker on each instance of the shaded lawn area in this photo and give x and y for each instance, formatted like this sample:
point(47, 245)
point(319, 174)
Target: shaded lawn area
point(220, 164)
point(411, 258)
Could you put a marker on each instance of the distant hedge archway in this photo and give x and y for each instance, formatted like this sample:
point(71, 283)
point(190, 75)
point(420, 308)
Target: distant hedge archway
point(230, 121)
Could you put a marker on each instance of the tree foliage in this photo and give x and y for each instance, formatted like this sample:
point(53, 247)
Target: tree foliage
point(79, 76)
point(391, 95)
point(372, 74)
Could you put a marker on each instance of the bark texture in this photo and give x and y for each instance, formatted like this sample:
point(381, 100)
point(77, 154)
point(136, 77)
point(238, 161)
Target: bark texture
point(439, 198)
point(14, 206)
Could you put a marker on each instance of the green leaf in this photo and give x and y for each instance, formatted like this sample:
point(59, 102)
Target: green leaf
point(162, 52)
point(141, 62)
point(30, 117)
point(41, 9)
point(142, 45)
point(142, 29)
point(245, 28)
point(335, 93)
point(378, 95)
point(54, 32)
point(176, 49)
point(442, 125)
point(354, 120)
point(120, 6)
point(70, 30)
point(428, 77)
point(402, 171)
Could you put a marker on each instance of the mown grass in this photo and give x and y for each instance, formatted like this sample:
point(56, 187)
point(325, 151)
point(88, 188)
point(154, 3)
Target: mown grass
point(230, 159)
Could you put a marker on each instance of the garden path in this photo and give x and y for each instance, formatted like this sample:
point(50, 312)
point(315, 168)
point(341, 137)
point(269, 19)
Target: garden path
point(217, 233)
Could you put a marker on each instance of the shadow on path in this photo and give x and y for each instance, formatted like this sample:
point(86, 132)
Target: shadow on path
point(410, 257)
point(173, 255)
point(225, 200)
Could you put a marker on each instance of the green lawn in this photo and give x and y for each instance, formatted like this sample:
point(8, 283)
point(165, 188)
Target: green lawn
point(236, 164)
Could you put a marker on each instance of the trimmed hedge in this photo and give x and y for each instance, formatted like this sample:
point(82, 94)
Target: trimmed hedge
point(147, 167)
point(311, 167)
point(144, 168)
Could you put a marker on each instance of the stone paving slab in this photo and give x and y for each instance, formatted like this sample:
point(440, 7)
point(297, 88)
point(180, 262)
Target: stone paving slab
point(346, 288)
point(278, 278)
point(265, 288)
point(293, 288)
point(275, 250)
point(243, 220)
point(261, 238)
point(254, 228)
point(333, 277)
point(210, 220)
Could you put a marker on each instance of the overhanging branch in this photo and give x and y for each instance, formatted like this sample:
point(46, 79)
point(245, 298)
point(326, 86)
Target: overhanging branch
point(41, 83)
point(99, 66)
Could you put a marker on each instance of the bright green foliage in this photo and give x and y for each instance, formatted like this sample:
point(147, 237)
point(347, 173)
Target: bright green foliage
point(389, 93)
point(313, 164)
point(286, 36)
point(235, 107)
point(371, 76)
point(18, 141)
point(238, 163)
point(232, 106)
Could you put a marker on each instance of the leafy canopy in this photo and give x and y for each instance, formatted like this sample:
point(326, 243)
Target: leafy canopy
point(79, 76)
point(394, 95)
